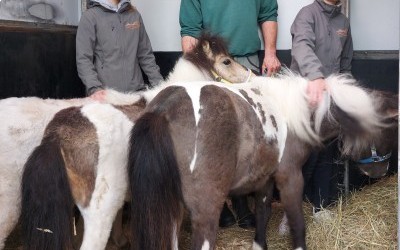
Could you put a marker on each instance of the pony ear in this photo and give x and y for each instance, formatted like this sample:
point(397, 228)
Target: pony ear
point(207, 49)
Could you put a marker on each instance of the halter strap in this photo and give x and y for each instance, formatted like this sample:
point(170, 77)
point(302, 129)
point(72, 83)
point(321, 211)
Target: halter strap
point(219, 78)
point(375, 157)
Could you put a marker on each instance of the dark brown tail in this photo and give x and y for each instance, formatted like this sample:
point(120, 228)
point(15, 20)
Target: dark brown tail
point(46, 200)
point(155, 184)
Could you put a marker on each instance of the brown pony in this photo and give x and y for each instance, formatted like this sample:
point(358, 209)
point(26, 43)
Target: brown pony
point(289, 177)
point(194, 146)
point(82, 157)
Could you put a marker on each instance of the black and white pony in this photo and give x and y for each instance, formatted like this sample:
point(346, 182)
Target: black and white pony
point(24, 120)
point(196, 144)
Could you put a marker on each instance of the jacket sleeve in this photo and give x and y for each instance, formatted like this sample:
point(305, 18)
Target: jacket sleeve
point(268, 11)
point(146, 57)
point(347, 54)
point(303, 45)
point(85, 43)
point(190, 18)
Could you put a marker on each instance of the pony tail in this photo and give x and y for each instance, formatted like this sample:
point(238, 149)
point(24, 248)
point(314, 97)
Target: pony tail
point(46, 199)
point(354, 109)
point(155, 183)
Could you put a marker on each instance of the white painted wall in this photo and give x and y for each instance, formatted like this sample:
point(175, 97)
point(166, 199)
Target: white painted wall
point(375, 24)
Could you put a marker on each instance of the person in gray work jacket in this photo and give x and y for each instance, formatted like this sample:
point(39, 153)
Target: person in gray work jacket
point(321, 45)
point(112, 47)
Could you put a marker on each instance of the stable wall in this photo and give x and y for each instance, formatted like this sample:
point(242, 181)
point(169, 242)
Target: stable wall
point(38, 59)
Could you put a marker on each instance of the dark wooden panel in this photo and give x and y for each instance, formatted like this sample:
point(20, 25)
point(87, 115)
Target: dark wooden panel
point(38, 62)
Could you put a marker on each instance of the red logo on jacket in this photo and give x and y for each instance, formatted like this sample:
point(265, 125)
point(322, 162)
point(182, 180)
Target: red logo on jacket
point(342, 32)
point(132, 26)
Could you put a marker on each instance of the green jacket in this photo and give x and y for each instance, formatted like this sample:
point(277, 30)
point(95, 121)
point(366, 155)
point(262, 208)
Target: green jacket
point(237, 21)
point(112, 47)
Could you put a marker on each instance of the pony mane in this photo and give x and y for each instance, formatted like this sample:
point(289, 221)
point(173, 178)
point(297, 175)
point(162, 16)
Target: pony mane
point(122, 98)
point(288, 91)
point(206, 42)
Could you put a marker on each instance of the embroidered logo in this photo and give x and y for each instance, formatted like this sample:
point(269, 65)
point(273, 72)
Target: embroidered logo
point(132, 26)
point(342, 32)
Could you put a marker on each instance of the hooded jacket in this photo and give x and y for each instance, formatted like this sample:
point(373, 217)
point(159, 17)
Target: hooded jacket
point(321, 41)
point(112, 47)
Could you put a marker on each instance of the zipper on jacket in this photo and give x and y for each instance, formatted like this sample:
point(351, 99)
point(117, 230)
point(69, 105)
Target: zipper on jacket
point(123, 51)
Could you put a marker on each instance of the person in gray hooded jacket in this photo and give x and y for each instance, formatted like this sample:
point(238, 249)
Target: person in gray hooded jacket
point(321, 45)
point(112, 47)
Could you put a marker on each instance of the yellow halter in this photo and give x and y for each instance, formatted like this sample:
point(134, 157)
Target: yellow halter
point(219, 78)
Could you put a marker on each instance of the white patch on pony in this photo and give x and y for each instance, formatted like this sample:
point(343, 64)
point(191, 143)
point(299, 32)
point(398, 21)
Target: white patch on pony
point(299, 248)
point(256, 246)
point(206, 245)
point(175, 243)
point(264, 199)
point(194, 93)
point(193, 161)
point(113, 129)
point(185, 71)
point(284, 226)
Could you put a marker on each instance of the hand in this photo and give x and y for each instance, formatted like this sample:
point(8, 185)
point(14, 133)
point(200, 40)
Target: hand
point(99, 95)
point(315, 91)
point(188, 43)
point(270, 63)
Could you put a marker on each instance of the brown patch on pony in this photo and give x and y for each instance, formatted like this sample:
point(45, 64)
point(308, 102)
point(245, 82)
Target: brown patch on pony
point(198, 56)
point(260, 109)
point(247, 97)
point(274, 122)
point(256, 91)
point(80, 150)
point(133, 111)
point(389, 106)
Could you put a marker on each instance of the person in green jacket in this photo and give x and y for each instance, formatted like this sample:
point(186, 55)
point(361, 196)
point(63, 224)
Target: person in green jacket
point(238, 22)
point(112, 49)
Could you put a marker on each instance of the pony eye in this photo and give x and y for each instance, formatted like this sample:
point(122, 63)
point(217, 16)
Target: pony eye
point(227, 62)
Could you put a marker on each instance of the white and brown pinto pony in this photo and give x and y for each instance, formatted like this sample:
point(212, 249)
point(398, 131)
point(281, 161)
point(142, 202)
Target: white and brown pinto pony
point(82, 158)
point(195, 145)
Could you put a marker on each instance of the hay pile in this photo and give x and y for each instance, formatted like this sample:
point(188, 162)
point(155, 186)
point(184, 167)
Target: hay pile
point(366, 220)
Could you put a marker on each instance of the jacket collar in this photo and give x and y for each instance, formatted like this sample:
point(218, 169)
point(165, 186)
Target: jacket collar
point(122, 6)
point(330, 10)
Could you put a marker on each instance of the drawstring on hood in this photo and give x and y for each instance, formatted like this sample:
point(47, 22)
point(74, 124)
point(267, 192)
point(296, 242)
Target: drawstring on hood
point(109, 6)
